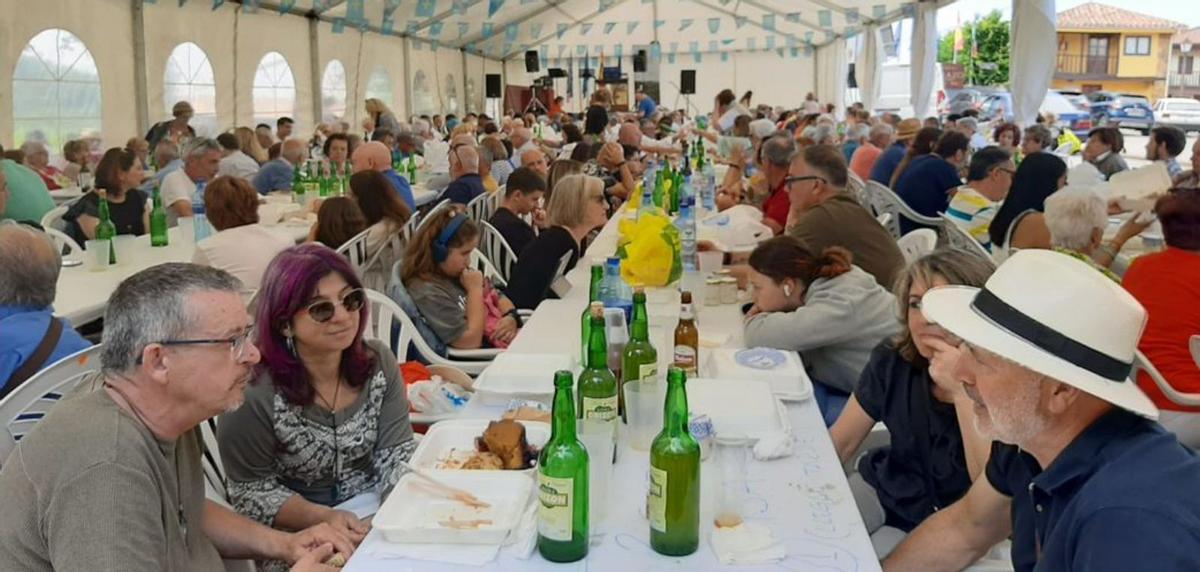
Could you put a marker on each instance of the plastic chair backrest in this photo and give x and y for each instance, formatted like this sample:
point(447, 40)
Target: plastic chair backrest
point(958, 237)
point(1194, 344)
point(1143, 363)
point(497, 250)
point(356, 250)
point(66, 246)
point(917, 243)
point(560, 286)
point(433, 212)
point(425, 335)
point(387, 324)
point(54, 218)
point(22, 409)
point(480, 262)
point(478, 209)
point(857, 188)
point(884, 200)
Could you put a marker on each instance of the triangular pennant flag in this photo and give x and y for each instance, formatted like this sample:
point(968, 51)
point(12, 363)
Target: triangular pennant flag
point(795, 52)
point(808, 50)
point(217, 4)
point(851, 15)
point(510, 32)
point(769, 22)
point(606, 4)
point(608, 27)
point(619, 50)
point(656, 52)
point(793, 17)
point(535, 30)
point(182, 2)
point(792, 40)
point(724, 56)
point(725, 2)
point(714, 25)
point(561, 29)
point(425, 8)
point(561, 49)
point(829, 35)
point(435, 29)
point(779, 52)
point(740, 21)
point(909, 10)
point(825, 18)
point(411, 28)
point(284, 7)
point(339, 25)
point(697, 57)
point(463, 28)
point(770, 42)
point(581, 50)
point(728, 42)
point(670, 58)
point(355, 15)
point(584, 28)
point(631, 26)
point(251, 6)
point(685, 24)
point(494, 6)
point(659, 23)
point(879, 11)
point(674, 47)
point(460, 6)
point(693, 46)
point(486, 30)
point(808, 37)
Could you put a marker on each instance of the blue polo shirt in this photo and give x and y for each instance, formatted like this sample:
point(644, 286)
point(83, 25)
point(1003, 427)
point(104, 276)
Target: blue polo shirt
point(1122, 496)
point(925, 186)
point(402, 188)
point(464, 188)
point(887, 162)
point(22, 329)
point(647, 107)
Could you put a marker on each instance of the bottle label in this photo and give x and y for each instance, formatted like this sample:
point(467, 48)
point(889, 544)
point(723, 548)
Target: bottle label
point(602, 408)
point(555, 507)
point(656, 499)
point(648, 371)
point(685, 358)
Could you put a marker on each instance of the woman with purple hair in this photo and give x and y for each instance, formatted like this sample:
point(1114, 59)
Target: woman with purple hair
point(328, 418)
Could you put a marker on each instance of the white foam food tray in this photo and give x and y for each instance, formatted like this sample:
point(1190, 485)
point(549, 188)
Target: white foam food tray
point(416, 513)
point(526, 376)
point(783, 370)
point(451, 441)
point(737, 408)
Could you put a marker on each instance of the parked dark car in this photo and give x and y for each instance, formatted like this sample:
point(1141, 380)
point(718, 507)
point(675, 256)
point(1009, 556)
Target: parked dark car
point(1121, 110)
point(959, 100)
point(1070, 116)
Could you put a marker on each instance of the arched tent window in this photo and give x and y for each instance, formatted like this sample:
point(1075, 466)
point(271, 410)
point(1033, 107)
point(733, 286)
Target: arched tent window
point(274, 89)
point(56, 90)
point(333, 92)
point(189, 77)
point(379, 86)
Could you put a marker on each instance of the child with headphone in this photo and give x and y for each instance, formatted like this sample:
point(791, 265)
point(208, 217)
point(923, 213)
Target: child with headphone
point(458, 304)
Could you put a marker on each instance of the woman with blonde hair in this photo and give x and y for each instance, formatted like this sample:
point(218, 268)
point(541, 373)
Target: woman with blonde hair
point(250, 145)
point(382, 116)
point(558, 170)
point(576, 207)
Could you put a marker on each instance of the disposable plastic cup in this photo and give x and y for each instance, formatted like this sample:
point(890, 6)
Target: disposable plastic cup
point(644, 402)
point(733, 455)
point(710, 261)
point(598, 438)
point(97, 254)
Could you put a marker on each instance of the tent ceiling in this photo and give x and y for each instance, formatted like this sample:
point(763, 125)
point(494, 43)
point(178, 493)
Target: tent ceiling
point(502, 29)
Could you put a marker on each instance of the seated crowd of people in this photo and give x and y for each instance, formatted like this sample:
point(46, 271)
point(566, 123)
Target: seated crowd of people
point(1005, 375)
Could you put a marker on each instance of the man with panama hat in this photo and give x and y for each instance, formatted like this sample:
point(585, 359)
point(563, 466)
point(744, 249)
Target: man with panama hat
point(1080, 476)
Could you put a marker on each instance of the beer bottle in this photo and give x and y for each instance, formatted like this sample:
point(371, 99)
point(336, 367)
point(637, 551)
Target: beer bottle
point(673, 503)
point(597, 385)
point(158, 221)
point(687, 337)
point(640, 361)
point(563, 483)
point(105, 229)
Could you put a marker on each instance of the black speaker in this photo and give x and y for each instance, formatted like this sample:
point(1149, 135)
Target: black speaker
point(557, 72)
point(531, 61)
point(492, 90)
point(639, 61)
point(851, 81)
point(687, 82)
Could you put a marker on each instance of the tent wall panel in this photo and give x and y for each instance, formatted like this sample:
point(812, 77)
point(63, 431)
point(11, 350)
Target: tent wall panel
point(166, 27)
point(263, 32)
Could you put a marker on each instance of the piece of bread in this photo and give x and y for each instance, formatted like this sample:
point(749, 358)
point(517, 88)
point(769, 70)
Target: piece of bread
point(506, 439)
point(483, 462)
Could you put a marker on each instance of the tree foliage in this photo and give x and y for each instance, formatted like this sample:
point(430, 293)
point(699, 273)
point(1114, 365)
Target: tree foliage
point(992, 41)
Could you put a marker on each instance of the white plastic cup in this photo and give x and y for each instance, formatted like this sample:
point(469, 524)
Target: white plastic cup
point(644, 402)
point(97, 254)
point(598, 438)
point(710, 261)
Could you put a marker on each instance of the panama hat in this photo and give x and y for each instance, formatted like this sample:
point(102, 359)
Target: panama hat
point(1056, 315)
point(907, 129)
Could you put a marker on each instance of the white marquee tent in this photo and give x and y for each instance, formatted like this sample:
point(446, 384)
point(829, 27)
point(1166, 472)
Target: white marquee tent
point(117, 66)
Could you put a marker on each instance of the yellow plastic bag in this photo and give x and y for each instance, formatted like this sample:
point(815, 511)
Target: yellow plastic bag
point(650, 248)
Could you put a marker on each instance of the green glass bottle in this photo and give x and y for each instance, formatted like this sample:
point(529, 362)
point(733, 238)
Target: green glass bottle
point(673, 502)
point(659, 176)
point(312, 183)
point(597, 384)
point(158, 221)
point(346, 178)
point(640, 360)
point(297, 181)
point(585, 319)
point(105, 229)
point(563, 482)
point(324, 181)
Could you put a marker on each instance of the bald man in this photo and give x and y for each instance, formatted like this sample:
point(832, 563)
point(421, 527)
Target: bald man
point(522, 141)
point(464, 169)
point(536, 161)
point(374, 156)
point(276, 174)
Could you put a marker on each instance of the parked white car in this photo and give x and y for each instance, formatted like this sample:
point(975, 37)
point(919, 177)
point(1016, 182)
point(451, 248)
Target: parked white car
point(1178, 112)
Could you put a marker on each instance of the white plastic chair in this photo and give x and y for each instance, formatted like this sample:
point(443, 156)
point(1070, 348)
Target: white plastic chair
point(497, 250)
point(917, 243)
point(1194, 343)
point(64, 244)
point(433, 212)
point(479, 209)
point(1141, 362)
point(480, 262)
point(857, 188)
point(959, 238)
point(472, 362)
point(22, 409)
point(53, 219)
point(560, 286)
point(387, 318)
point(214, 471)
point(884, 200)
point(356, 250)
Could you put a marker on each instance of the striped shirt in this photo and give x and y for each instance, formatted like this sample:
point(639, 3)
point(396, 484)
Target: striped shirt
point(973, 212)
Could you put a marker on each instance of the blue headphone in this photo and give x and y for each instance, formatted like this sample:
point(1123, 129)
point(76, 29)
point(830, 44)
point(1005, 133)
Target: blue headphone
point(441, 248)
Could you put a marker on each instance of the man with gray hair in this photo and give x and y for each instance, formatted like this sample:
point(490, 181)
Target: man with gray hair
point(1076, 219)
point(969, 126)
point(522, 141)
point(777, 153)
point(1037, 138)
point(111, 478)
point(878, 138)
point(166, 157)
point(856, 136)
point(464, 170)
point(277, 174)
point(31, 338)
point(201, 160)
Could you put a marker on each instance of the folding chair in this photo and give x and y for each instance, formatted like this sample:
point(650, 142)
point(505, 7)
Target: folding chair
point(22, 409)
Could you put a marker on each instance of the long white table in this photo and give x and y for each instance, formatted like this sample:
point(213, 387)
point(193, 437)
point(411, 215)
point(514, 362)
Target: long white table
point(804, 498)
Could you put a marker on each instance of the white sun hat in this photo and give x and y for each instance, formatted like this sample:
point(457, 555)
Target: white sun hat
point(1055, 315)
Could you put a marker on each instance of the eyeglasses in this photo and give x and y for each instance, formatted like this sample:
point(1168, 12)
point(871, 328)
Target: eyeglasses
point(793, 180)
point(1011, 172)
point(323, 310)
point(237, 344)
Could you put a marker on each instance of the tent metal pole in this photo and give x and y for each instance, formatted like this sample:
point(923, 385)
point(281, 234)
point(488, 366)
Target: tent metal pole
point(314, 62)
point(141, 99)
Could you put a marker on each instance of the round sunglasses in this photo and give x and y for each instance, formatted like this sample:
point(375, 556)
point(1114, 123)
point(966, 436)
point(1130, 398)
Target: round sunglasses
point(323, 310)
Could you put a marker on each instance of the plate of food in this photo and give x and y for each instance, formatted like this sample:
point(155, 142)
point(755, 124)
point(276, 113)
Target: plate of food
point(481, 445)
point(418, 513)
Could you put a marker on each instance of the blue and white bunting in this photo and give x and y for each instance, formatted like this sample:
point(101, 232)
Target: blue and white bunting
point(608, 27)
point(494, 6)
point(425, 8)
point(631, 26)
point(714, 25)
point(768, 22)
point(510, 32)
point(793, 17)
point(825, 18)
point(463, 28)
point(584, 28)
point(851, 15)
point(740, 21)
point(684, 24)
point(878, 11)
point(535, 30)
point(561, 29)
